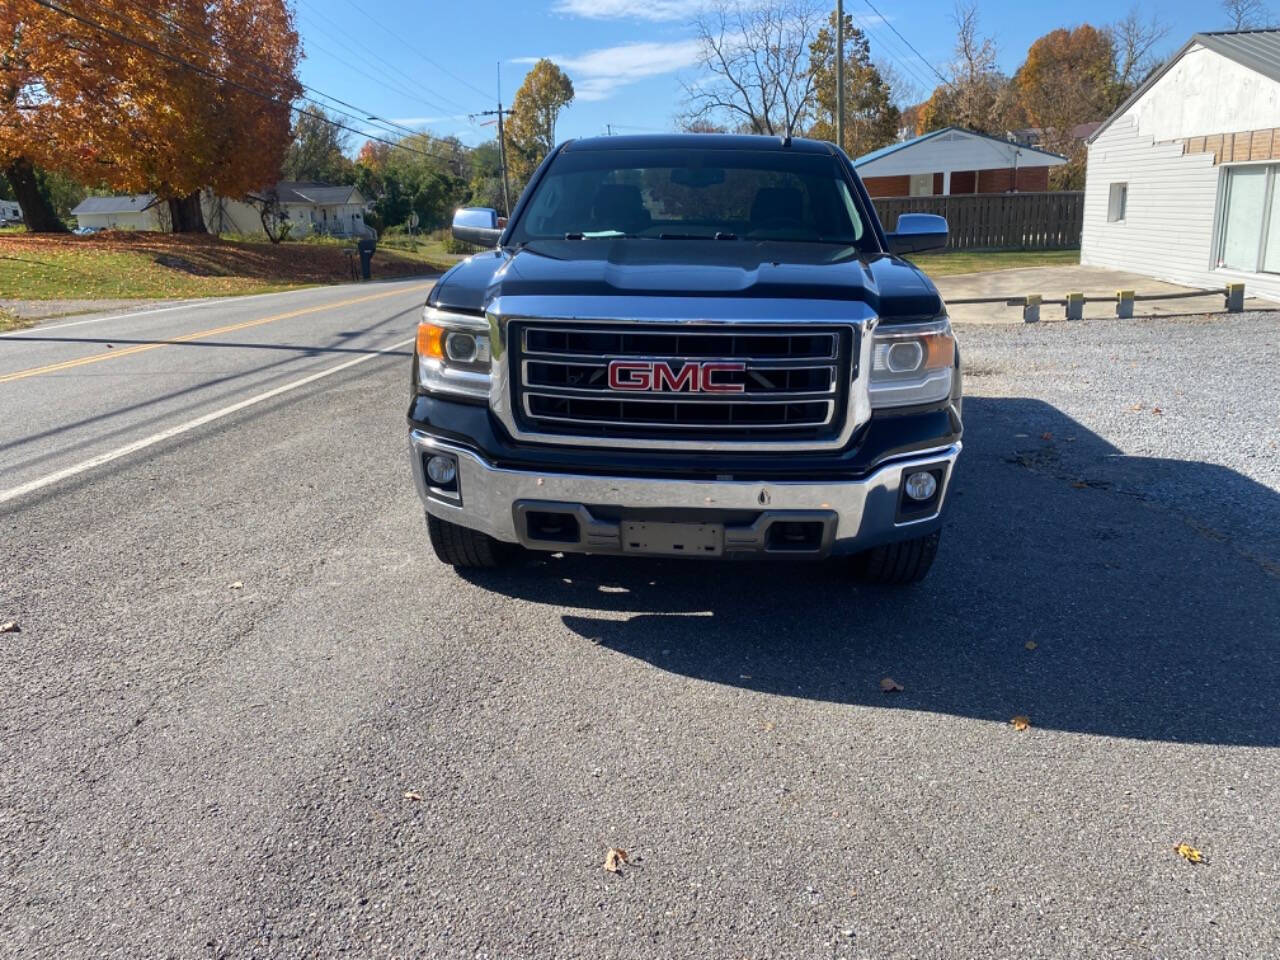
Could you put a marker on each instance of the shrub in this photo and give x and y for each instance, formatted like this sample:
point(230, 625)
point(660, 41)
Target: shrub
point(455, 246)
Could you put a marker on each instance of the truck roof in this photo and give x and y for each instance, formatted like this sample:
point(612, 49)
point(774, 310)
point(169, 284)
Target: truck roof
point(700, 141)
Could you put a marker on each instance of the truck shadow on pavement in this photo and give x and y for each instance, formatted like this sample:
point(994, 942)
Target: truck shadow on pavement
point(1093, 592)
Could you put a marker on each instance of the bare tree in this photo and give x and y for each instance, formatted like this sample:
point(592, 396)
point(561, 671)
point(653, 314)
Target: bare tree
point(754, 61)
point(1134, 41)
point(904, 89)
point(274, 217)
point(978, 97)
point(977, 75)
point(1247, 14)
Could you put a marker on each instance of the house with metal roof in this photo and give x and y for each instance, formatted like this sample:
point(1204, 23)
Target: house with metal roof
point(1183, 182)
point(136, 211)
point(953, 161)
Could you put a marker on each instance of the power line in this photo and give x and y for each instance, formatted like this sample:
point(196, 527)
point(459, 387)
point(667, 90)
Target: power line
point(383, 63)
point(386, 79)
point(265, 70)
point(418, 53)
point(887, 23)
point(894, 51)
point(102, 28)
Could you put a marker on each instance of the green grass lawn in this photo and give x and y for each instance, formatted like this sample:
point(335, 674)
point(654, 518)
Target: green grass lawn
point(98, 274)
point(168, 266)
point(978, 261)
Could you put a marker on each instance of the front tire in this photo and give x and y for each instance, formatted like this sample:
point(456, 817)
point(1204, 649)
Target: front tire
point(906, 561)
point(465, 548)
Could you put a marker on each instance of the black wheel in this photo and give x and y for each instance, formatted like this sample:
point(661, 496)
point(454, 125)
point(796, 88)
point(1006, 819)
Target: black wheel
point(464, 547)
point(906, 561)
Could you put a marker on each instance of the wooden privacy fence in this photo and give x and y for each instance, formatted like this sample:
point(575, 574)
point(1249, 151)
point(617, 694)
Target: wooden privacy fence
point(998, 221)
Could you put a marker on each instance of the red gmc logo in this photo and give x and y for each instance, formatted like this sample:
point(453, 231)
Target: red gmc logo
point(655, 376)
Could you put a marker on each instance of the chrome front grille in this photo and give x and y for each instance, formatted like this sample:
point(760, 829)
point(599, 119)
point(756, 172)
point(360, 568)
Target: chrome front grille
point(789, 382)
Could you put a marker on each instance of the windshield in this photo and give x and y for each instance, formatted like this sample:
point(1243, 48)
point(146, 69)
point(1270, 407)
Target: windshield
point(690, 193)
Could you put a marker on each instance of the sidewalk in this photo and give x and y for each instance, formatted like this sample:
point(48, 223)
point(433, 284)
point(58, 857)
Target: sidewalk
point(1053, 283)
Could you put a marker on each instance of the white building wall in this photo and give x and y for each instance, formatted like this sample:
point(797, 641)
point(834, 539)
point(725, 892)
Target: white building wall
point(1170, 226)
point(9, 210)
point(222, 215)
point(130, 220)
point(1205, 93)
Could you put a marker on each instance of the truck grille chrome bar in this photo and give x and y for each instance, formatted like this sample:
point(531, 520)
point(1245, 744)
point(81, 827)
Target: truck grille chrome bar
point(771, 382)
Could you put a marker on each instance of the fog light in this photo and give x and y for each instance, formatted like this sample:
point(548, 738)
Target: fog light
point(442, 471)
point(921, 486)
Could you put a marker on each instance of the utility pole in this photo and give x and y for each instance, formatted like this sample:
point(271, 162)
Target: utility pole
point(840, 74)
point(502, 142)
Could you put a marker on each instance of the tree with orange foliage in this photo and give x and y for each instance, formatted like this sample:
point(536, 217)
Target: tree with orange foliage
point(1068, 79)
point(169, 97)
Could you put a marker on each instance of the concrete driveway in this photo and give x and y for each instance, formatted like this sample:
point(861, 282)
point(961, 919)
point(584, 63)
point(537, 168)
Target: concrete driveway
point(1054, 283)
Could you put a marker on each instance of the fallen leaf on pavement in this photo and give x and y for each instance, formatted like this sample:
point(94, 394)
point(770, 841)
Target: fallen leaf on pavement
point(413, 795)
point(1189, 853)
point(10, 626)
point(614, 859)
point(1020, 722)
point(767, 727)
point(1136, 407)
point(1046, 435)
point(1157, 411)
point(1080, 485)
point(238, 585)
point(890, 685)
point(1030, 644)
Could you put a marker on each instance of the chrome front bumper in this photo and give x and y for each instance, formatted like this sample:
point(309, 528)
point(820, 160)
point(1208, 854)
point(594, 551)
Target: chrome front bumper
point(856, 514)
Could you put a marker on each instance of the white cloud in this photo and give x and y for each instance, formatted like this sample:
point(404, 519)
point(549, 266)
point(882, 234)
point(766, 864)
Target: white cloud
point(634, 9)
point(667, 10)
point(598, 73)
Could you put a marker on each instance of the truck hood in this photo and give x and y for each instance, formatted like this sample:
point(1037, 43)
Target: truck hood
point(893, 288)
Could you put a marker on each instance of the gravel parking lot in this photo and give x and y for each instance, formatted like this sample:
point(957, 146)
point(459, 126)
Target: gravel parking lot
point(248, 715)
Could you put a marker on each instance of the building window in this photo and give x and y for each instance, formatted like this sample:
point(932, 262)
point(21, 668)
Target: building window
point(1116, 202)
point(1250, 223)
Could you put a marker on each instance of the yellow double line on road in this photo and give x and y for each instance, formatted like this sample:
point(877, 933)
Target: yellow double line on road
point(187, 338)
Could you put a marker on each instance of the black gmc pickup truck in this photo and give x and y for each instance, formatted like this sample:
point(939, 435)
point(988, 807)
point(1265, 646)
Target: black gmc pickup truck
point(689, 345)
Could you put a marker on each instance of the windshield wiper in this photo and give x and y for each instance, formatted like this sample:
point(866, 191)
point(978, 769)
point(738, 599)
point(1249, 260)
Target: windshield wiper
point(598, 235)
point(719, 235)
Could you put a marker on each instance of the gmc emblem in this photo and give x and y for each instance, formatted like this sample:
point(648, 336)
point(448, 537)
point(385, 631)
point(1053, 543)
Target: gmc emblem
point(655, 376)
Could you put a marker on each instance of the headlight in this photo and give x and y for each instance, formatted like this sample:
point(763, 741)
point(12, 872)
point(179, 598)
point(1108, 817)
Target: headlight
point(911, 364)
point(453, 353)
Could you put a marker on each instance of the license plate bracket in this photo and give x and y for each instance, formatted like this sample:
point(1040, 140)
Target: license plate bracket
point(673, 539)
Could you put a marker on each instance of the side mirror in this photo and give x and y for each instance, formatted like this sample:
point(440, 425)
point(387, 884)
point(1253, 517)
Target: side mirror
point(918, 232)
point(477, 225)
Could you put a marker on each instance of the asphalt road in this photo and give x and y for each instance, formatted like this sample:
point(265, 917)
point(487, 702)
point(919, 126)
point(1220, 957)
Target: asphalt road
point(248, 714)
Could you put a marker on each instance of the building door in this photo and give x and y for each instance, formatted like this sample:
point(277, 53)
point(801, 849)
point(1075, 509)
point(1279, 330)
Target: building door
point(922, 185)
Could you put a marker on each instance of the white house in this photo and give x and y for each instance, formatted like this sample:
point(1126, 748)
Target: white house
point(311, 208)
point(954, 161)
point(321, 208)
point(1183, 181)
point(9, 210)
point(136, 212)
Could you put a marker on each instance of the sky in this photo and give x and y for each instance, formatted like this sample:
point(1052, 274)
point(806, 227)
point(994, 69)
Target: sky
point(434, 64)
